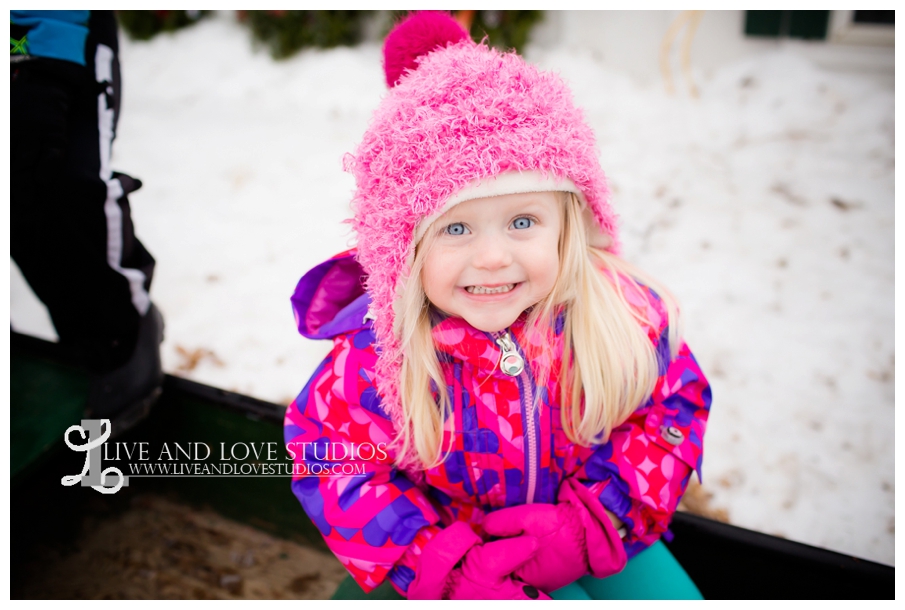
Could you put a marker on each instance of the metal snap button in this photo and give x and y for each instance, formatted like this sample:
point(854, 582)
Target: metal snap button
point(672, 435)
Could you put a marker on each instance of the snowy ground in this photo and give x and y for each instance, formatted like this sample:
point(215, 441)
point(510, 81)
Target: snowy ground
point(767, 205)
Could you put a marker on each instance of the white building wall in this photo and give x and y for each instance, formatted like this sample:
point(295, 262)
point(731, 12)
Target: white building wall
point(631, 41)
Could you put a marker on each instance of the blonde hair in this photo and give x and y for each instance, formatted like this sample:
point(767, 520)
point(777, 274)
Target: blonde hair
point(609, 364)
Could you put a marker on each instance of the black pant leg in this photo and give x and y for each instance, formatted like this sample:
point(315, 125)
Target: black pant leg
point(71, 232)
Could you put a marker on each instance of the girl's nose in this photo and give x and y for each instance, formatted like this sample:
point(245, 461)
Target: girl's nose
point(491, 254)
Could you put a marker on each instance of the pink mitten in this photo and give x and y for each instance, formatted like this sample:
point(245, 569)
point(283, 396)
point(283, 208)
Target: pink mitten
point(576, 537)
point(455, 565)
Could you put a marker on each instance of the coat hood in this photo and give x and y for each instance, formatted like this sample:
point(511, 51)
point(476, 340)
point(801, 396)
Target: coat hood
point(330, 299)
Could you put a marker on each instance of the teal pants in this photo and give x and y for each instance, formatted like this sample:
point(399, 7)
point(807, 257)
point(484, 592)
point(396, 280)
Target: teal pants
point(651, 574)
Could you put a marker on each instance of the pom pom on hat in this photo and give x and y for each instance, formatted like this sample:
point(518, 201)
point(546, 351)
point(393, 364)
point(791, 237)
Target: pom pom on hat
point(415, 36)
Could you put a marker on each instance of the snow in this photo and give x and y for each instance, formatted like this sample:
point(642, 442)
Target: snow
point(767, 205)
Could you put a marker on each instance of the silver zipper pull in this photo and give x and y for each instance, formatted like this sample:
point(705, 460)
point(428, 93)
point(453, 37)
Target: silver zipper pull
point(511, 362)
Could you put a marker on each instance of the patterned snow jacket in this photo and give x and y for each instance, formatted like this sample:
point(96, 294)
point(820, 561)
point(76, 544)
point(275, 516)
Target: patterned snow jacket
point(377, 518)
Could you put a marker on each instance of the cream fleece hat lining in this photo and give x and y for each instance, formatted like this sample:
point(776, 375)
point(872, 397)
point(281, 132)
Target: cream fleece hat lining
point(511, 183)
point(508, 183)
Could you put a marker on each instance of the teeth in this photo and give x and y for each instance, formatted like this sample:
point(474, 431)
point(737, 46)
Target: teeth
point(483, 290)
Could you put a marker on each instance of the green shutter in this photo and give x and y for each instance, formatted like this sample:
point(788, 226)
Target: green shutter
point(810, 25)
point(763, 23)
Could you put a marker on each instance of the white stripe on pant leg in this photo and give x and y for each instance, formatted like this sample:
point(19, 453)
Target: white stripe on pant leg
point(103, 71)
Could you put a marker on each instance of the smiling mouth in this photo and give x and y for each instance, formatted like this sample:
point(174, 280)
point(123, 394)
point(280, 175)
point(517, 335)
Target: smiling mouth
point(485, 290)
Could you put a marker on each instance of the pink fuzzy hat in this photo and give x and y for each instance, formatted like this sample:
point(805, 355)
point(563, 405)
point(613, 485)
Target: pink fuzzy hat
point(461, 121)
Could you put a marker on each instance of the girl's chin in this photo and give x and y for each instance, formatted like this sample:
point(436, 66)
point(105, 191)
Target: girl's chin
point(492, 324)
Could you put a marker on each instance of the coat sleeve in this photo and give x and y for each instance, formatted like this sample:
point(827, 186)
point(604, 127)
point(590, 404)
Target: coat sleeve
point(641, 473)
point(373, 518)
point(54, 34)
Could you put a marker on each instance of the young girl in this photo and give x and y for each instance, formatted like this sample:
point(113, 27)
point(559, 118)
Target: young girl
point(508, 410)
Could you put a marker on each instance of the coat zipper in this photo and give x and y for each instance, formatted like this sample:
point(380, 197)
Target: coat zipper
point(512, 362)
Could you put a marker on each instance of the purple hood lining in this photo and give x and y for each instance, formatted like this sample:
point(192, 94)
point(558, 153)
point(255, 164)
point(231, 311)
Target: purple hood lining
point(330, 299)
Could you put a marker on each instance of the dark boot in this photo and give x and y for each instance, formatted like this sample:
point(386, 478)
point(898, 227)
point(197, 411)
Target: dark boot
point(125, 395)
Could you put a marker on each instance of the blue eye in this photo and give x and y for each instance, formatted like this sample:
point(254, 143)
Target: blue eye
point(456, 228)
point(522, 223)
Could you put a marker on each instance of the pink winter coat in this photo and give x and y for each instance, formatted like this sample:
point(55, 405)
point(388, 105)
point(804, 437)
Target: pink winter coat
point(376, 518)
